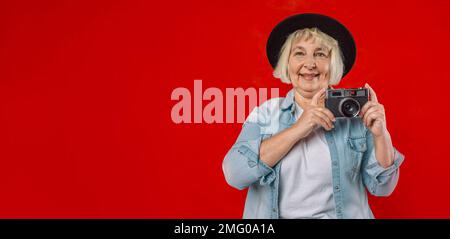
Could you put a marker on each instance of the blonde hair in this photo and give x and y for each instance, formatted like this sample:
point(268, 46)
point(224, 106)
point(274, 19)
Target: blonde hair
point(336, 61)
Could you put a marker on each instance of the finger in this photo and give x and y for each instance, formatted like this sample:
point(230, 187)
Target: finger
point(325, 118)
point(366, 107)
point(372, 117)
point(319, 121)
point(328, 113)
point(369, 121)
point(373, 109)
point(373, 95)
point(368, 111)
point(316, 98)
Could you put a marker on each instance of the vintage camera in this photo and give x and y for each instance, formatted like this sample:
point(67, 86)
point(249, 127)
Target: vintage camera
point(346, 102)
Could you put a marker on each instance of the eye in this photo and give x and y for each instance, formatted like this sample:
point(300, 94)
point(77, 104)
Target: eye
point(299, 53)
point(321, 54)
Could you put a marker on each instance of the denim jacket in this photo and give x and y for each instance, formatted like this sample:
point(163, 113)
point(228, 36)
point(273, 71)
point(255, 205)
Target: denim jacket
point(353, 163)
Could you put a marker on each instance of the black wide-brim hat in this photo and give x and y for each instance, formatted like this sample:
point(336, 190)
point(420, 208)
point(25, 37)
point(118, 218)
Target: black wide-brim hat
point(324, 23)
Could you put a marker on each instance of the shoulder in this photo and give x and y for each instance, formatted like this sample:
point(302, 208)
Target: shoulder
point(266, 111)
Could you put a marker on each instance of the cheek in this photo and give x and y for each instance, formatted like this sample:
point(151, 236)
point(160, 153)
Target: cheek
point(325, 69)
point(294, 67)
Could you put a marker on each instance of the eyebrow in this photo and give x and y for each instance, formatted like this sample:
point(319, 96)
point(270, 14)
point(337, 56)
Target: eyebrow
point(302, 48)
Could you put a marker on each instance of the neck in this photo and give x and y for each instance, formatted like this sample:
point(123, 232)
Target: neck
point(302, 101)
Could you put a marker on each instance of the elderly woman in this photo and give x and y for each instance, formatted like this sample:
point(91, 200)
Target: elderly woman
point(295, 157)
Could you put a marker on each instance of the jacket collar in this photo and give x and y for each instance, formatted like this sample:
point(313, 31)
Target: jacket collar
point(288, 101)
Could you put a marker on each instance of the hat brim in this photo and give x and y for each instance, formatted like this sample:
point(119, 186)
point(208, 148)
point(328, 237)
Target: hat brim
point(325, 24)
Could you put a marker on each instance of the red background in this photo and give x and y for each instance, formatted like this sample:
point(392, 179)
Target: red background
point(85, 127)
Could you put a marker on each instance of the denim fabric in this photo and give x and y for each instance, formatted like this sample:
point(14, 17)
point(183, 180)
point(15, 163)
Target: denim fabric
point(354, 166)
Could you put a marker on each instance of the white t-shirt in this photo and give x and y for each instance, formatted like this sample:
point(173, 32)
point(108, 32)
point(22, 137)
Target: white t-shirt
point(306, 189)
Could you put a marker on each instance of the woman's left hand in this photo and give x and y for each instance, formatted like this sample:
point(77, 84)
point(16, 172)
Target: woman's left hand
point(373, 115)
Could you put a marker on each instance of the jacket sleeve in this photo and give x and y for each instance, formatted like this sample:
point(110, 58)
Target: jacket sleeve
point(380, 181)
point(242, 165)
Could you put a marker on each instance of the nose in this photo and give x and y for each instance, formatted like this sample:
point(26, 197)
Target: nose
point(310, 63)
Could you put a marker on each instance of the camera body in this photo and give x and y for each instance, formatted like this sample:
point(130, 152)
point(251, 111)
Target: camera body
point(346, 102)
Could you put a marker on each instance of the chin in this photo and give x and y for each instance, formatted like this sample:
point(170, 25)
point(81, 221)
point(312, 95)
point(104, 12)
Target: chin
point(305, 92)
point(310, 89)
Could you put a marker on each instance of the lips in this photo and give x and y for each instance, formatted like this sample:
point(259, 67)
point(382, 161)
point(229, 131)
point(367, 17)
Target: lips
point(309, 76)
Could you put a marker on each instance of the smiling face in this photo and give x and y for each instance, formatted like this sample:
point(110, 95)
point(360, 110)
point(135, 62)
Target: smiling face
point(309, 66)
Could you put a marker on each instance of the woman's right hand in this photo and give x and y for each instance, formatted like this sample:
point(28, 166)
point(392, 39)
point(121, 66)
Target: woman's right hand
point(313, 115)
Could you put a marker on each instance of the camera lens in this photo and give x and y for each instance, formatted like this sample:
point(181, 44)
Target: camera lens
point(349, 107)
